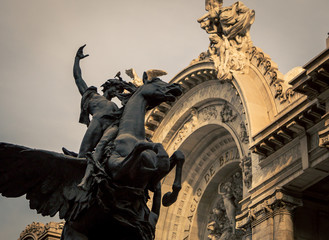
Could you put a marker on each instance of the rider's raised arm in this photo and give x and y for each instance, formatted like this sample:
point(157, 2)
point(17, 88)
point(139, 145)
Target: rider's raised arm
point(81, 84)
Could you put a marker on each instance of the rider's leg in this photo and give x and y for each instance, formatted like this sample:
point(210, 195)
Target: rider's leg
point(91, 137)
point(109, 134)
point(89, 141)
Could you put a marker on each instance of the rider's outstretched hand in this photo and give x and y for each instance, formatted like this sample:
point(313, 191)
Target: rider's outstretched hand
point(80, 54)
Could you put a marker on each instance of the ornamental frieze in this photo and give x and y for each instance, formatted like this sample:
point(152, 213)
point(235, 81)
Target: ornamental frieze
point(223, 113)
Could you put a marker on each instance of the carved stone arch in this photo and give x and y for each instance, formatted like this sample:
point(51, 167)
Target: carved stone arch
point(29, 237)
point(254, 89)
point(205, 122)
point(209, 164)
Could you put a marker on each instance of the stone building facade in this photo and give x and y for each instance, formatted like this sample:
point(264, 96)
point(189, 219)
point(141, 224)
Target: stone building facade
point(256, 141)
point(39, 231)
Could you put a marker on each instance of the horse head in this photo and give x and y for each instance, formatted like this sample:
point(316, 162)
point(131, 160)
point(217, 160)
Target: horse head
point(156, 91)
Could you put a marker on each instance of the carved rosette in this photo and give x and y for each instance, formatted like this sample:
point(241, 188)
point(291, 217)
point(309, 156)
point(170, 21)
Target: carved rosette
point(221, 224)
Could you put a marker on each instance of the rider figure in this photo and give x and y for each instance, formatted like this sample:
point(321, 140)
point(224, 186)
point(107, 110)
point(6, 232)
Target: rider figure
point(104, 124)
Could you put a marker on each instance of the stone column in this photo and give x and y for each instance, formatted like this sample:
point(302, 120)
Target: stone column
point(283, 228)
point(270, 218)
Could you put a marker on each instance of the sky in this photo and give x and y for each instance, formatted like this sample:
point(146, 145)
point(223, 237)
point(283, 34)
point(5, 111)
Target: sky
point(39, 101)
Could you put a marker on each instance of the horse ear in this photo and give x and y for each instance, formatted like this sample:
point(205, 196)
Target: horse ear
point(145, 77)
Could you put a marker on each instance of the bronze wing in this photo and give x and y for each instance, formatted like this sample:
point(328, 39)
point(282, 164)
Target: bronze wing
point(48, 179)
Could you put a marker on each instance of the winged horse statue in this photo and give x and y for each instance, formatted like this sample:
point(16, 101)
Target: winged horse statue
point(114, 204)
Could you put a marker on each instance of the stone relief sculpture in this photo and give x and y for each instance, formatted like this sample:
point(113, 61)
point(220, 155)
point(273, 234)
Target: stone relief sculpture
point(227, 114)
point(210, 21)
point(187, 128)
point(221, 224)
point(230, 42)
point(102, 190)
point(244, 137)
point(246, 170)
point(39, 230)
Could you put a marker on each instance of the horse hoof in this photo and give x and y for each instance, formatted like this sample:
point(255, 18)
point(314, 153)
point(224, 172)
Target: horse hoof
point(168, 199)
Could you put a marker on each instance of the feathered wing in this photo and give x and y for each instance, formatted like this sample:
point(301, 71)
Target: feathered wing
point(135, 79)
point(48, 179)
point(153, 73)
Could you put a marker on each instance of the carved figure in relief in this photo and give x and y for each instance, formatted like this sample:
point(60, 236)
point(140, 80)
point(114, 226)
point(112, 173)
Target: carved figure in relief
point(246, 170)
point(227, 114)
point(187, 128)
point(244, 137)
point(219, 52)
point(210, 20)
point(209, 113)
point(226, 191)
point(116, 191)
point(221, 224)
point(230, 43)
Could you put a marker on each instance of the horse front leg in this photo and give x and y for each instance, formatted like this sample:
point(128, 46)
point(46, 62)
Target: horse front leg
point(120, 168)
point(177, 159)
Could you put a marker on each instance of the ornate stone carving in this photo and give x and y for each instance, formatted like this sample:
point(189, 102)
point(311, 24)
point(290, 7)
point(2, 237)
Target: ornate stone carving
point(35, 228)
point(324, 133)
point(39, 230)
point(270, 71)
point(230, 42)
point(55, 226)
point(275, 204)
point(208, 113)
point(221, 223)
point(202, 57)
point(187, 128)
point(227, 114)
point(246, 170)
point(244, 136)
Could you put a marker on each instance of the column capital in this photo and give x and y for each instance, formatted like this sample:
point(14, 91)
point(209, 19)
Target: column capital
point(268, 206)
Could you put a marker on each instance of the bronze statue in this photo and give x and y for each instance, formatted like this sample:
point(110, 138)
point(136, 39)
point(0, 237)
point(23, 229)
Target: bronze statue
point(112, 203)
